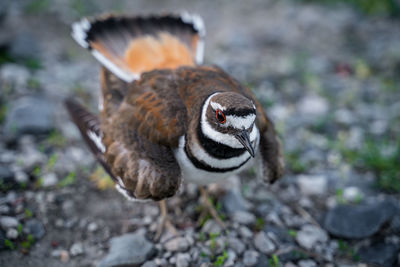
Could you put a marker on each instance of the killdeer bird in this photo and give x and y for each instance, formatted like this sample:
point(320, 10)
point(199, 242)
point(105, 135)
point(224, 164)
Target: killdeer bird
point(164, 116)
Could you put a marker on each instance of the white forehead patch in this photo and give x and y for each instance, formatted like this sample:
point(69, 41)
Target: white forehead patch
point(216, 106)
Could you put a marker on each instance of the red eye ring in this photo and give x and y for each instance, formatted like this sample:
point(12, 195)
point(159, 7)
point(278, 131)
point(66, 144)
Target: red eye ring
point(220, 116)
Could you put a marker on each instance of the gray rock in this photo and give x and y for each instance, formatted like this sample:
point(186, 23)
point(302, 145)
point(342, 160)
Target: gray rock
point(29, 115)
point(92, 227)
point(244, 217)
point(313, 106)
point(237, 245)
point(49, 179)
point(182, 260)
point(8, 222)
point(230, 261)
point(307, 263)
point(245, 232)
point(380, 254)
point(281, 234)
point(177, 244)
point(349, 221)
point(4, 209)
point(129, 249)
point(30, 158)
point(263, 243)
point(309, 235)
point(395, 224)
point(234, 201)
point(211, 226)
point(76, 249)
point(12, 233)
point(161, 262)
point(35, 228)
point(14, 74)
point(24, 46)
point(250, 257)
point(2, 239)
point(352, 194)
point(21, 177)
point(7, 178)
point(312, 184)
point(150, 264)
point(263, 261)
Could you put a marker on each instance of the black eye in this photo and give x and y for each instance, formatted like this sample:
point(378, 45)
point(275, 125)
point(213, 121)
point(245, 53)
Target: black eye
point(220, 116)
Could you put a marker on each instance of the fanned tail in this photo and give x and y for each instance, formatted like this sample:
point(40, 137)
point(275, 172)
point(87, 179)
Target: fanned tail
point(129, 46)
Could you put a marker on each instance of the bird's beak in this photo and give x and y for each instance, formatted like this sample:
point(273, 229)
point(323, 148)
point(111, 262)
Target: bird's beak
point(244, 139)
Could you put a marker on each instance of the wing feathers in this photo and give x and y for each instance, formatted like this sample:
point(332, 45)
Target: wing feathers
point(89, 126)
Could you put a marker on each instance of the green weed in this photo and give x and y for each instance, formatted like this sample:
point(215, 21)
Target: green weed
point(55, 138)
point(382, 157)
point(221, 259)
point(9, 244)
point(37, 6)
point(68, 180)
point(274, 261)
point(292, 233)
point(369, 7)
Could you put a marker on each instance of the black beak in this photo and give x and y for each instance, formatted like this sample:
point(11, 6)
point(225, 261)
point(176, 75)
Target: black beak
point(244, 139)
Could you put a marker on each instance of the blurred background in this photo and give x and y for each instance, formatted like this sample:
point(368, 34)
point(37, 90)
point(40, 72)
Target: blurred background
point(326, 71)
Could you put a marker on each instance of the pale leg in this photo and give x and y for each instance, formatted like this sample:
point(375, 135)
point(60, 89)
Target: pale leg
point(210, 207)
point(165, 221)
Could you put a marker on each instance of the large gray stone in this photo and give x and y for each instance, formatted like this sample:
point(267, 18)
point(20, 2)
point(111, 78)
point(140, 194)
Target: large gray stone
point(29, 115)
point(128, 250)
point(380, 254)
point(348, 221)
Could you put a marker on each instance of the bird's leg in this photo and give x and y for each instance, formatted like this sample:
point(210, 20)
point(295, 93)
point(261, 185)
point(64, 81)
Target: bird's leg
point(210, 207)
point(165, 221)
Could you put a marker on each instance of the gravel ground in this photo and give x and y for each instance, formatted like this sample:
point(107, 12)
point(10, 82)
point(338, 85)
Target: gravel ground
point(328, 76)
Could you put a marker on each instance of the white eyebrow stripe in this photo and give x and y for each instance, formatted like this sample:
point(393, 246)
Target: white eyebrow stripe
point(216, 106)
point(240, 122)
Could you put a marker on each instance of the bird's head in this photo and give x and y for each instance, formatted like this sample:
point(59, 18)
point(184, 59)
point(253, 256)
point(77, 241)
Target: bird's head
point(229, 118)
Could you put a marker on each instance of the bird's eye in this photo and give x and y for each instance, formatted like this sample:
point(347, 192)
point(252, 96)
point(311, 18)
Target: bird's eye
point(220, 116)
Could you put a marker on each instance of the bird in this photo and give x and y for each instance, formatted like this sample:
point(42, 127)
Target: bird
point(165, 117)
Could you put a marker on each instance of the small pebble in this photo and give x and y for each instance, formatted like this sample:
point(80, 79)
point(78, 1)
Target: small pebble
point(177, 244)
point(183, 260)
point(7, 222)
point(263, 243)
point(76, 249)
point(244, 217)
point(92, 227)
point(245, 232)
point(250, 257)
point(64, 256)
point(12, 233)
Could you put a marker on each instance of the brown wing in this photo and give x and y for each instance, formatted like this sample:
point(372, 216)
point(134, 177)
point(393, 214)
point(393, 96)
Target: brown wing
point(146, 169)
point(270, 144)
point(142, 123)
